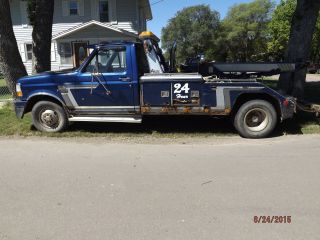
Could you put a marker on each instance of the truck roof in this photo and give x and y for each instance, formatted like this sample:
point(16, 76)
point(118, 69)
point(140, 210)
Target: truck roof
point(112, 43)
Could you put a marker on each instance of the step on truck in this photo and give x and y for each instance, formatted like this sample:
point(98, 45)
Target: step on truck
point(125, 81)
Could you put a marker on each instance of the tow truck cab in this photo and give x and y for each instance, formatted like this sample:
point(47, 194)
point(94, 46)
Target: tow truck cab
point(124, 81)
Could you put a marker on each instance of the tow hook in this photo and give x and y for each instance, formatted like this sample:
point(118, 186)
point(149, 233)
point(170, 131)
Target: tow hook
point(309, 107)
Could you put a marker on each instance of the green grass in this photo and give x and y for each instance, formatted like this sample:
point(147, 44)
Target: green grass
point(154, 127)
point(4, 92)
point(2, 82)
point(160, 127)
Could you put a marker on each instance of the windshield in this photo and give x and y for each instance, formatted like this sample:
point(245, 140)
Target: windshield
point(108, 61)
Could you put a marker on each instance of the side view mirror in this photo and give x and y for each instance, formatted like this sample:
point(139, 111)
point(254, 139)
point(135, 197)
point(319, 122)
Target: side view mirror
point(147, 46)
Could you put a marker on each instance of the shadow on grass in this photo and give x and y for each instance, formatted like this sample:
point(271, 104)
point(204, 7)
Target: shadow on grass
point(312, 92)
point(190, 126)
point(301, 123)
point(162, 125)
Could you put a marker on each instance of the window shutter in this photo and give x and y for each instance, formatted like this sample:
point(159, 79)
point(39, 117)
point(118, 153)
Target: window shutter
point(23, 52)
point(81, 7)
point(53, 52)
point(65, 8)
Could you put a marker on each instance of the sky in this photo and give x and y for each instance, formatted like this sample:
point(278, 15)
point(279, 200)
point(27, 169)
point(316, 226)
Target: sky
point(166, 9)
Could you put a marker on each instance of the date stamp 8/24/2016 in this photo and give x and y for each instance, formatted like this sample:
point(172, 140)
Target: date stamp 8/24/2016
point(272, 219)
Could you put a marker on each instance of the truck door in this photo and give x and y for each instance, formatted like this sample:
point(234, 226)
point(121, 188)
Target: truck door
point(106, 83)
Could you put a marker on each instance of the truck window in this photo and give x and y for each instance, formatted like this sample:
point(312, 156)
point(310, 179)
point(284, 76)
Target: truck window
point(108, 61)
point(142, 61)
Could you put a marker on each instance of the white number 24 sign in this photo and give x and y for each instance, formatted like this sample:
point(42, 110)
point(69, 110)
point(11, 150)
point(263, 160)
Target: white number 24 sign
point(178, 88)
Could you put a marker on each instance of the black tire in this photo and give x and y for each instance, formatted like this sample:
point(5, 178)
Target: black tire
point(49, 117)
point(256, 119)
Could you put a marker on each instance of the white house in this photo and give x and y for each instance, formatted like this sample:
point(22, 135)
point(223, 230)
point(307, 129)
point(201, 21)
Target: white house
point(77, 23)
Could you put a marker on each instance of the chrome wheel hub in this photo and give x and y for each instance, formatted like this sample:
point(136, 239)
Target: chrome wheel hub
point(49, 119)
point(256, 120)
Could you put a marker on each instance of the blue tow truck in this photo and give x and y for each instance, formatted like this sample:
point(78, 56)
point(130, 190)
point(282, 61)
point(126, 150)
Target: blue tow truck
point(125, 81)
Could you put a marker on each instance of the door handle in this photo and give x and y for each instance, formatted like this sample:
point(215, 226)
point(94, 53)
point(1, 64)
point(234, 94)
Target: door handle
point(125, 79)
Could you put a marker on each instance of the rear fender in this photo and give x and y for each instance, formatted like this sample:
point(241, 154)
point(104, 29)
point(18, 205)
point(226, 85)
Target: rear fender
point(245, 97)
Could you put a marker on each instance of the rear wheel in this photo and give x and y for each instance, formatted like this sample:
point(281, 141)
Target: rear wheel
point(49, 117)
point(256, 119)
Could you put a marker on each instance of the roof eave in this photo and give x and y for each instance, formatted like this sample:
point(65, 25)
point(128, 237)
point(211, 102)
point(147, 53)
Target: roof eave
point(88, 24)
point(149, 16)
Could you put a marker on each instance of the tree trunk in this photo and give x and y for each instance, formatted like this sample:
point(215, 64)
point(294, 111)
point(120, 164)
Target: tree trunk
point(10, 60)
point(41, 35)
point(299, 47)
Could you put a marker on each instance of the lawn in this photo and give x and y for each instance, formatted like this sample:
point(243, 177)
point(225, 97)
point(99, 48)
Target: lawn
point(153, 127)
point(4, 92)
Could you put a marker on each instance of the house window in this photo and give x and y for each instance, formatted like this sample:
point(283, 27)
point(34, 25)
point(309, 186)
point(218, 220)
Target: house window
point(73, 8)
point(65, 52)
point(29, 51)
point(104, 11)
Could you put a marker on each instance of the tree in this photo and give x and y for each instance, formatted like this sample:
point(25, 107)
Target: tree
point(299, 47)
point(40, 14)
point(193, 28)
point(279, 28)
point(10, 59)
point(244, 31)
point(315, 49)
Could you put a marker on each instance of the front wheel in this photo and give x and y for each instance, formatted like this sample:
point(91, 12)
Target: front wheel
point(256, 119)
point(49, 117)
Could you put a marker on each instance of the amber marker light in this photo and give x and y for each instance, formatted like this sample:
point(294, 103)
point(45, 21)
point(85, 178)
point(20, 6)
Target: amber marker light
point(18, 90)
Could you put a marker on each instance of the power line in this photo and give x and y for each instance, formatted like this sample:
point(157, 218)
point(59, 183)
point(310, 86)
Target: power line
point(151, 4)
point(156, 2)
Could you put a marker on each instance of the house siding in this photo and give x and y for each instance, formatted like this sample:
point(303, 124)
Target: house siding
point(58, 17)
point(127, 15)
point(124, 14)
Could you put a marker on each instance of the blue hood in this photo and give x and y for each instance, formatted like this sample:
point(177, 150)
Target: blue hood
point(48, 77)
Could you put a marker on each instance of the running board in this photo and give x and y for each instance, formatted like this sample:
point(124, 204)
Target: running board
point(107, 119)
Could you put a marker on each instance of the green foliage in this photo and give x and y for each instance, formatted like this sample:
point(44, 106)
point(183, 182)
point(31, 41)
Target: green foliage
point(244, 32)
point(31, 9)
point(279, 28)
point(194, 29)
point(315, 51)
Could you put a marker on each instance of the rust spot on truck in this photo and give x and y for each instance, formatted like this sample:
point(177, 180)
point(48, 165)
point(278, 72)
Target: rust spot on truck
point(145, 109)
point(187, 110)
point(207, 109)
point(218, 113)
point(169, 109)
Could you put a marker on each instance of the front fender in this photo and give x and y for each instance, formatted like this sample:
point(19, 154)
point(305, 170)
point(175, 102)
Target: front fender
point(45, 94)
point(33, 98)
